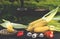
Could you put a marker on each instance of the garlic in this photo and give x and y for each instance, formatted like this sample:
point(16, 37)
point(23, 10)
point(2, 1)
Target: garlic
point(29, 34)
point(34, 35)
point(41, 35)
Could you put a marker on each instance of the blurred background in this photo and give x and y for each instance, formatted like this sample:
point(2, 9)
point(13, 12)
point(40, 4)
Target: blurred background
point(25, 11)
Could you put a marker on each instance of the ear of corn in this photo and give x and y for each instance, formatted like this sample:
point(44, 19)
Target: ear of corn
point(15, 25)
point(42, 22)
point(9, 26)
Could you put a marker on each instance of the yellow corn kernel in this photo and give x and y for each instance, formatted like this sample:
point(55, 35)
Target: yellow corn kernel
point(10, 27)
point(41, 29)
point(38, 24)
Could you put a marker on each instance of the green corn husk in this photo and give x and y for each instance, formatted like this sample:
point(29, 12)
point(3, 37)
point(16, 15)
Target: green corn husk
point(49, 16)
point(15, 25)
point(56, 26)
point(57, 18)
point(18, 26)
point(55, 22)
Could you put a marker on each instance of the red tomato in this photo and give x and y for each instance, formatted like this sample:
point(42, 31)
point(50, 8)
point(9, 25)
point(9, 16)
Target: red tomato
point(49, 34)
point(20, 33)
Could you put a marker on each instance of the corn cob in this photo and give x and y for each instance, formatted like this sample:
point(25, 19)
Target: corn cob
point(42, 21)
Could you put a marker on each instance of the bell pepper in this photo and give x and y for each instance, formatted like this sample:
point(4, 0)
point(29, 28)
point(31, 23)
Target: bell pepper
point(20, 33)
point(49, 34)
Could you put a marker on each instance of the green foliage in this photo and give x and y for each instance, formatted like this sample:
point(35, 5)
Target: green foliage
point(33, 3)
point(15, 3)
point(50, 4)
point(6, 3)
